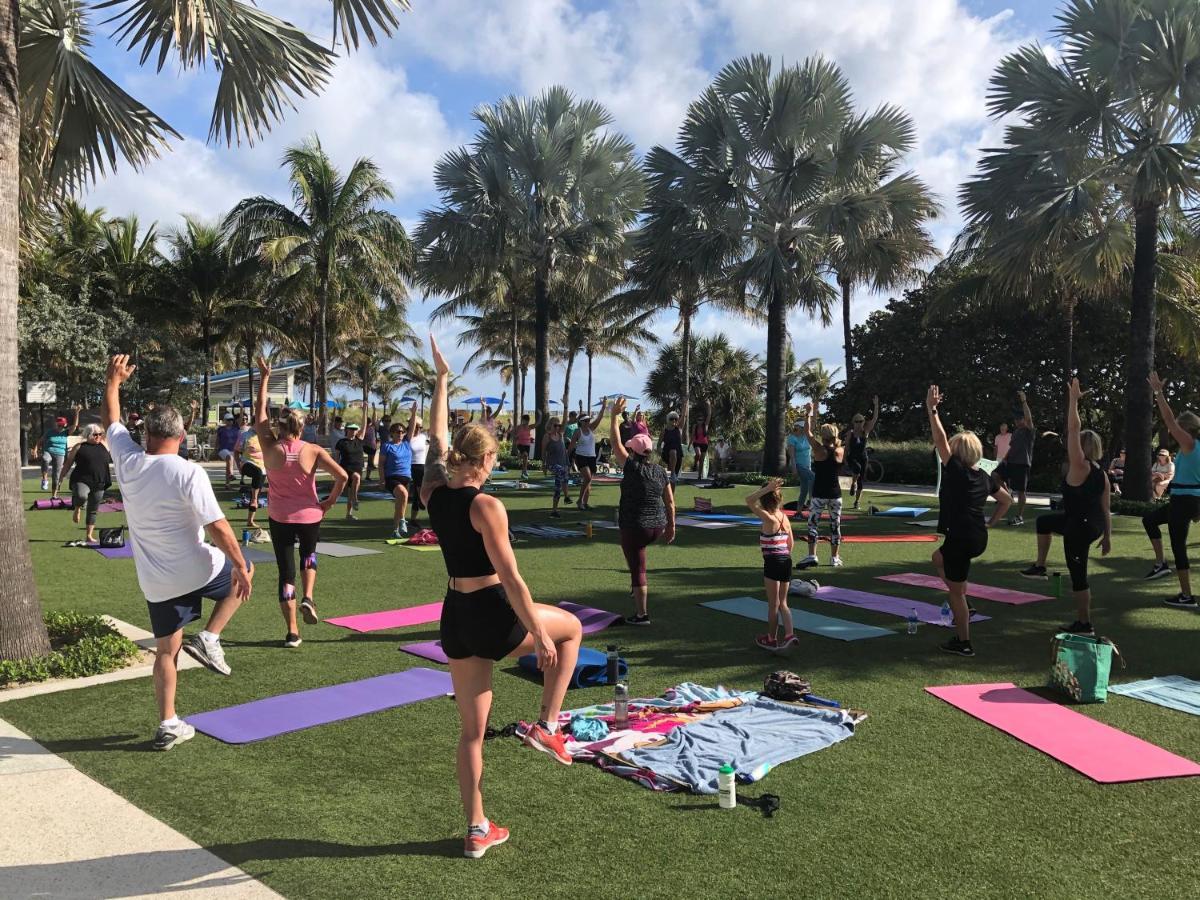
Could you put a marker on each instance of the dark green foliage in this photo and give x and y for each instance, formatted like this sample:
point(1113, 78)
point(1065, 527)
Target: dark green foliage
point(83, 645)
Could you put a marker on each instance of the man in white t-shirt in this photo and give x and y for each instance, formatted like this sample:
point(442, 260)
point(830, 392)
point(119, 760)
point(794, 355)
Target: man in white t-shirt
point(170, 505)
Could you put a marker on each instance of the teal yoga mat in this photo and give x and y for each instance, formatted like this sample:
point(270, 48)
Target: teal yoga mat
point(1171, 691)
point(811, 623)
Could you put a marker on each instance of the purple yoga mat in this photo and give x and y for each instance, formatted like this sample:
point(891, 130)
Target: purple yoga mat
point(431, 650)
point(56, 503)
point(593, 619)
point(893, 606)
point(982, 591)
point(111, 506)
point(125, 552)
point(266, 718)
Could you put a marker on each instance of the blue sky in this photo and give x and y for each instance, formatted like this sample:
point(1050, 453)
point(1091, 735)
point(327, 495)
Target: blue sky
point(409, 100)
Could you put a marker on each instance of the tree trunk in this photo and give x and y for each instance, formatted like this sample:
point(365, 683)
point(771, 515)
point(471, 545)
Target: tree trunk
point(1140, 360)
point(846, 338)
point(566, 397)
point(22, 632)
point(774, 461)
point(541, 355)
point(1069, 351)
point(589, 391)
point(685, 395)
point(518, 403)
point(323, 349)
point(312, 371)
point(208, 364)
point(249, 348)
point(366, 386)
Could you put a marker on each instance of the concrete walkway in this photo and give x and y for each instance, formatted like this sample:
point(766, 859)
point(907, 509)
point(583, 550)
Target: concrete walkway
point(63, 835)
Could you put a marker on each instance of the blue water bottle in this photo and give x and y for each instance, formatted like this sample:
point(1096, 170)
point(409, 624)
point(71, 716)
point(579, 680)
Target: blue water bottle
point(912, 621)
point(947, 616)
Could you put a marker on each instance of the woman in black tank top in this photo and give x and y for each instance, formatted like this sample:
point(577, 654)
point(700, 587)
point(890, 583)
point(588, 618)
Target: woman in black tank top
point(1084, 517)
point(488, 613)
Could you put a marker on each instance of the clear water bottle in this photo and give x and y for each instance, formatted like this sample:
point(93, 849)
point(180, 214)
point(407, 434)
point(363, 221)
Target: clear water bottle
point(947, 616)
point(621, 706)
point(913, 621)
point(727, 786)
point(612, 664)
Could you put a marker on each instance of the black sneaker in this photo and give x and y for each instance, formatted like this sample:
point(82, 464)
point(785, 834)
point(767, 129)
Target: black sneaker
point(960, 648)
point(1078, 627)
point(1159, 570)
point(292, 640)
point(1034, 572)
point(554, 514)
point(638, 620)
point(1181, 601)
point(309, 610)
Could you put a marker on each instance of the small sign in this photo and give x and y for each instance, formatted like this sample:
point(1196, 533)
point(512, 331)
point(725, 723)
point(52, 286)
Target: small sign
point(41, 392)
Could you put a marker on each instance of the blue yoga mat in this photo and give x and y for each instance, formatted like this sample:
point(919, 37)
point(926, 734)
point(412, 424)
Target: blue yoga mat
point(591, 669)
point(1171, 691)
point(903, 512)
point(812, 623)
point(725, 517)
point(266, 718)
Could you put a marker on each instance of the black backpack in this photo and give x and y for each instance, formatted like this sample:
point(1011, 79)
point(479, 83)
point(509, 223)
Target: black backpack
point(112, 537)
point(786, 685)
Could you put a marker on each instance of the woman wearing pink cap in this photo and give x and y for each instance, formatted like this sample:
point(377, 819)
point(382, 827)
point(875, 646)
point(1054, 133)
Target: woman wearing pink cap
point(647, 510)
point(295, 511)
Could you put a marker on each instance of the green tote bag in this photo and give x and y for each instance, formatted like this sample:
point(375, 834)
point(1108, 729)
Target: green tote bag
point(1081, 664)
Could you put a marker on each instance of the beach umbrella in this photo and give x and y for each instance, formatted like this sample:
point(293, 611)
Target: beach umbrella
point(475, 401)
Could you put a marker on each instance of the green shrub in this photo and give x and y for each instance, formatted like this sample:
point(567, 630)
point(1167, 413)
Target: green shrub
point(1137, 508)
point(906, 462)
point(83, 645)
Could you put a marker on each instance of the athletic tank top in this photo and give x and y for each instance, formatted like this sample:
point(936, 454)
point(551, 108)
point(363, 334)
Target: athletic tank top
point(699, 435)
point(462, 546)
point(773, 544)
point(293, 492)
point(556, 453)
point(825, 478)
point(1082, 503)
point(856, 445)
point(1186, 482)
point(586, 445)
point(672, 439)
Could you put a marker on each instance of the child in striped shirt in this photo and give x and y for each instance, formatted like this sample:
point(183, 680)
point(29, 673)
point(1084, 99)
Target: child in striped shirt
point(775, 540)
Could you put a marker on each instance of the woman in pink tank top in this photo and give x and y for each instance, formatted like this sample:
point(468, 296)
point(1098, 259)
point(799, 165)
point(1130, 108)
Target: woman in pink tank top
point(294, 509)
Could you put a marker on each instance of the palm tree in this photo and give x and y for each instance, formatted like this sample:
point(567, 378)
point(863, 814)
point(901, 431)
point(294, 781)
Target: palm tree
point(63, 122)
point(761, 154)
point(813, 380)
point(617, 331)
point(878, 232)
point(1120, 96)
point(333, 243)
point(416, 374)
point(368, 353)
point(543, 188)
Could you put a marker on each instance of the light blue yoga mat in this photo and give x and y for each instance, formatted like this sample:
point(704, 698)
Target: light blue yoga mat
point(726, 517)
point(812, 623)
point(903, 512)
point(1171, 691)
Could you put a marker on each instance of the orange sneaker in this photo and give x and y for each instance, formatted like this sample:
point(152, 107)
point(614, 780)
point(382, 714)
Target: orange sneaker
point(539, 738)
point(475, 847)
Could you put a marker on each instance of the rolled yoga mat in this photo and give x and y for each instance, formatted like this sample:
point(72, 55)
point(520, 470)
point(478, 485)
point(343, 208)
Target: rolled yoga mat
point(590, 668)
point(1099, 751)
point(882, 603)
point(1171, 691)
point(266, 718)
point(812, 623)
point(125, 552)
point(391, 618)
point(896, 538)
point(48, 503)
point(980, 591)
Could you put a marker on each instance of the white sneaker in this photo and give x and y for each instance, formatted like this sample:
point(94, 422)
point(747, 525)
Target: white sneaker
point(836, 561)
point(45, 485)
point(168, 736)
point(210, 653)
point(810, 560)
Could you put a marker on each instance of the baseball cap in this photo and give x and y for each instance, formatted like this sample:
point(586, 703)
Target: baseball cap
point(353, 426)
point(228, 417)
point(639, 444)
point(60, 421)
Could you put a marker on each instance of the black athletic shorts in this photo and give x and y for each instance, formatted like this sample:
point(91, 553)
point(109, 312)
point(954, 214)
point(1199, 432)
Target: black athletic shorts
point(777, 568)
point(1015, 475)
point(393, 481)
point(957, 554)
point(255, 474)
point(586, 462)
point(480, 623)
point(525, 449)
point(418, 478)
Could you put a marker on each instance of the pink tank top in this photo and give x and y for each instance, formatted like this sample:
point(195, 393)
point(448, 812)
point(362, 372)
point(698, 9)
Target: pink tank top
point(292, 493)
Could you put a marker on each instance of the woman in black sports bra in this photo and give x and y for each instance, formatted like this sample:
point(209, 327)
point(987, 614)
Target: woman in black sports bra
point(488, 613)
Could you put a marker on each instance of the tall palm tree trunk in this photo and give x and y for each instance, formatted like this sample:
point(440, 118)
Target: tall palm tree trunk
point(208, 363)
point(22, 632)
point(541, 356)
point(589, 391)
point(685, 395)
point(1069, 350)
point(515, 348)
point(566, 397)
point(776, 405)
point(249, 348)
point(323, 350)
point(847, 339)
point(1140, 360)
point(312, 362)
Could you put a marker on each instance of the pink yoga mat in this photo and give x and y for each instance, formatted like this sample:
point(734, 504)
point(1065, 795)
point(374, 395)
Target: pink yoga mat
point(895, 606)
point(111, 506)
point(1099, 751)
point(982, 591)
point(392, 618)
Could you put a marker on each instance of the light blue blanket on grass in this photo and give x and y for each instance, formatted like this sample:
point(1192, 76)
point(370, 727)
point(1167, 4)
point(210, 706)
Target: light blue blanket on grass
point(1171, 691)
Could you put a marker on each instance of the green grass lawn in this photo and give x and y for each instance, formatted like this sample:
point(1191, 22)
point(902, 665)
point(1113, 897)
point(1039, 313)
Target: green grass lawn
point(923, 801)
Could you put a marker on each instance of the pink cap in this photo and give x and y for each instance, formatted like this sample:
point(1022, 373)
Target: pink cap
point(639, 444)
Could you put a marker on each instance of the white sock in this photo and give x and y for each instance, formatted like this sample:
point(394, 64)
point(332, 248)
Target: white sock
point(209, 637)
point(171, 722)
point(552, 727)
point(480, 830)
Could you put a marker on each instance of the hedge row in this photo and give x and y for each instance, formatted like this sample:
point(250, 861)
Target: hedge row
point(83, 645)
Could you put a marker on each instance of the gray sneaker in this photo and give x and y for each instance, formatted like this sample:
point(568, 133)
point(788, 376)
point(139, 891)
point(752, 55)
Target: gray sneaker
point(209, 653)
point(168, 736)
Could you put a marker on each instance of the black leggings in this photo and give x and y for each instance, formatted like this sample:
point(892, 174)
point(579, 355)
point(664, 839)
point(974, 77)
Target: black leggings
point(1178, 514)
point(1078, 537)
point(284, 536)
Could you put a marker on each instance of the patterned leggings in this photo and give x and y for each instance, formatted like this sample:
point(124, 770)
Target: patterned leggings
point(560, 480)
point(834, 508)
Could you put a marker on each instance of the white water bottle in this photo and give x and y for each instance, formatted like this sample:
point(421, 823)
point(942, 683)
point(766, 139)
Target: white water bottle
point(912, 621)
point(947, 616)
point(727, 786)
